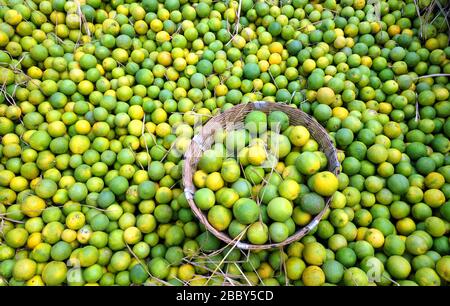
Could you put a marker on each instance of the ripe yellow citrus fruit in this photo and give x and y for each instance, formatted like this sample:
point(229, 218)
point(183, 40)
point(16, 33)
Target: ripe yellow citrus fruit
point(325, 95)
point(313, 276)
point(325, 183)
point(24, 269)
point(220, 217)
point(200, 178)
point(299, 135)
point(214, 181)
point(289, 189)
point(374, 237)
point(32, 206)
point(256, 155)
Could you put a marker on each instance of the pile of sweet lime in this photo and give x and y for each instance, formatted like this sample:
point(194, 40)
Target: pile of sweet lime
point(100, 99)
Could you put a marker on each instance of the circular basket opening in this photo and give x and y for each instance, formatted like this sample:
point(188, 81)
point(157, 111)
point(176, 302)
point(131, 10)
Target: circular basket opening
point(234, 118)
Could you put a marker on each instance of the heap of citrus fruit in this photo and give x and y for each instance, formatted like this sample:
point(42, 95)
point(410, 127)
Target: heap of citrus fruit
point(100, 99)
point(280, 187)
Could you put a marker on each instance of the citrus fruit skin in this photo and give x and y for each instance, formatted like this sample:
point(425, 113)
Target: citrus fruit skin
point(54, 273)
point(375, 237)
point(278, 232)
point(219, 217)
point(314, 253)
point(242, 187)
point(377, 154)
point(398, 184)
point(295, 267)
point(394, 245)
point(159, 267)
point(334, 271)
point(258, 233)
point(227, 197)
point(355, 277)
point(210, 161)
point(119, 185)
point(235, 140)
point(24, 269)
point(344, 136)
point(230, 171)
point(416, 150)
point(307, 163)
point(204, 198)
point(147, 190)
point(443, 267)
point(256, 121)
point(313, 276)
point(40, 140)
point(326, 96)
point(427, 277)
point(46, 188)
point(398, 267)
point(434, 198)
point(251, 71)
point(416, 244)
point(246, 211)
point(278, 120)
point(33, 206)
point(289, 189)
point(435, 226)
point(256, 155)
point(299, 135)
point(268, 193)
point(16, 237)
point(312, 203)
point(279, 209)
point(325, 183)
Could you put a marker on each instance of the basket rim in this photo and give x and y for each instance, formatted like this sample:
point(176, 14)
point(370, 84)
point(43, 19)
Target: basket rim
point(206, 130)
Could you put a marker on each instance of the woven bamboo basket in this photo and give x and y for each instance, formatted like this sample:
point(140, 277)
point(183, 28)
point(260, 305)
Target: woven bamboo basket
point(235, 115)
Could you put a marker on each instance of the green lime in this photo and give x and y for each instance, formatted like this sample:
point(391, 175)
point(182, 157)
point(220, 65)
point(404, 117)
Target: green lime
point(443, 267)
point(204, 198)
point(312, 203)
point(427, 277)
point(24, 269)
point(363, 249)
point(147, 190)
point(159, 267)
point(355, 277)
point(394, 245)
point(416, 244)
point(435, 226)
point(334, 271)
point(294, 268)
point(251, 71)
point(61, 251)
point(258, 233)
point(219, 217)
point(398, 184)
point(278, 121)
point(307, 163)
point(422, 261)
point(377, 153)
point(246, 211)
point(314, 253)
point(54, 273)
point(279, 209)
point(210, 161)
point(278, 232)
point(398, 267)
point(119, 185)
